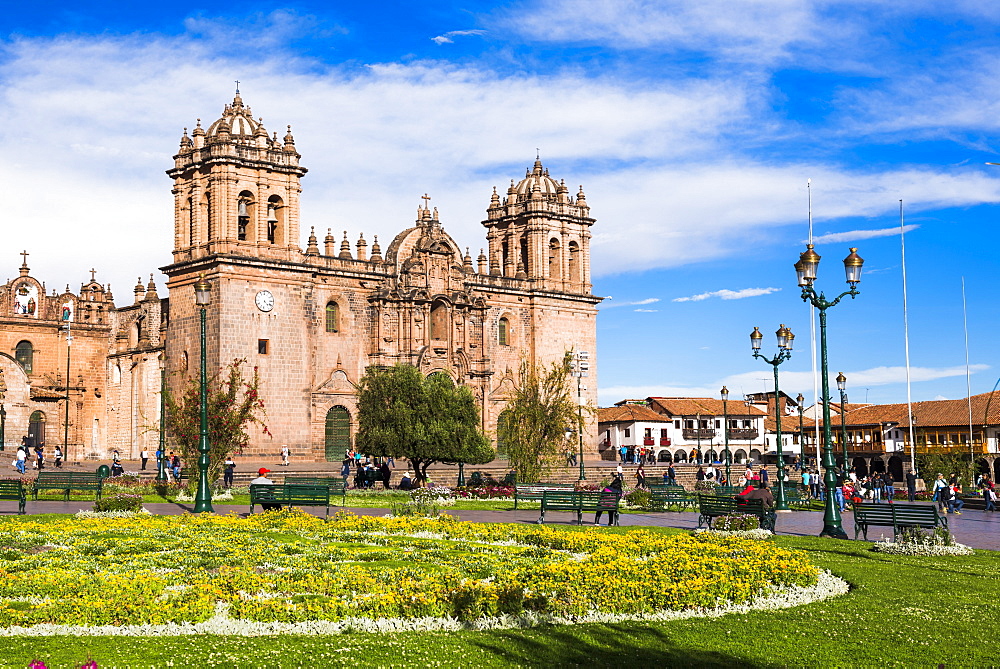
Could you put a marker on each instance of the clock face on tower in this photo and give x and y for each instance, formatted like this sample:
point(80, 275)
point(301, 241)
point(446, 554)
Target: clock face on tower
point(264, 300)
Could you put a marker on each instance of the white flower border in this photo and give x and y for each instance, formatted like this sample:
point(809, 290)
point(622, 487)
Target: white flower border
point(923, 548)
point(221, 623)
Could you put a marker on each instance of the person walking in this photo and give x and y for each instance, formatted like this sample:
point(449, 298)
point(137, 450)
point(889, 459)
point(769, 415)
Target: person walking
point(805, 481)
point(284, 455)
point(989, 496)
point(671, 475)
point(58, 456)
point(911, 486)
point(143, 458)
point(939, 484)
point(20, 459)
point(227, 472)
point(889, 485)
point(640, 477)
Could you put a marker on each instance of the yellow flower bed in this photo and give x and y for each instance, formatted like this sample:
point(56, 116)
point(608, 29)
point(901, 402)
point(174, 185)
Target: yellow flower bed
point(290, 566)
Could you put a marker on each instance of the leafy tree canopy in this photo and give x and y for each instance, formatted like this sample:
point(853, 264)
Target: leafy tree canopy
point(424, 420)
point(533, 427)
point(234, 405)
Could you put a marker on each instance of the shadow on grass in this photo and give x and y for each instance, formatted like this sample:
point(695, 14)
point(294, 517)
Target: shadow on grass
point(601, 646)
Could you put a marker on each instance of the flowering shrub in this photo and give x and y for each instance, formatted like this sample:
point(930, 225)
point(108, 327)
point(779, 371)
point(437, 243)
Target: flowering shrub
point(485, 492)
point(288, 567)
point(736, 522)
point(437, 495)
point(922, 496)
point(119, 502)
point(706, 486)
point(638, 499)
point(914, 541)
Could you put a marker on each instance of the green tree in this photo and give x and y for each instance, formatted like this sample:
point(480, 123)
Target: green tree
point(234, 405)
point(532, 429)
point(424, 420)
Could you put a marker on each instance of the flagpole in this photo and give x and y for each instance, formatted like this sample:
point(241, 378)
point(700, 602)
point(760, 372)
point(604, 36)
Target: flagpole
point(968, 381)
point(906, 342)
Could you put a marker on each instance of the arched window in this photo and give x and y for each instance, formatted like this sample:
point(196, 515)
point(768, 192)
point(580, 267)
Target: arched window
point(245, 217)
point(332, 317)
point(503, 332)
point(555, 259)
point(439, 320)
point(524, 255)
point(191, 235)
point(275, 220)
point(337, 434)
point(24, 354)
point(206, 217)
point(574, 262)
point(116, 374)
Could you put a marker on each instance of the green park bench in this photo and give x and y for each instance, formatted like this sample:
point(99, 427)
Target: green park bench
point(290, 494)
point(727, 491)
point(581, 501)
point(335, 484)
point(532, 492)
point(663, 496)
point(13, 489)
point(794, 498)
point(67, 481)
point(712, 506)
point(896, 516)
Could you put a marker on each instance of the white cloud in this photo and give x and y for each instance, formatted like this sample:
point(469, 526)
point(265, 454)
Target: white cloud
point(726, 294)
point(860, 234)
point(447, 37)
point(792, 382)
point(646, 311)
point(635, 303)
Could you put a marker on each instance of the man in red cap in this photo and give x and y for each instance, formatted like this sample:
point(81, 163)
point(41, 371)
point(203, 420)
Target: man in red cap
point(263, 480)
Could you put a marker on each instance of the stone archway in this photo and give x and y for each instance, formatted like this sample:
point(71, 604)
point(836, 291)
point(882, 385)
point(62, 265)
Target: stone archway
point(680, 455)
point(877, 465)
point(896, 468)
point(860, 466)
point(739, 456)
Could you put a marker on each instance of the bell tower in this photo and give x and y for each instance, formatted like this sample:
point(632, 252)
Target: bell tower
point(236, 189)
point(540, 233)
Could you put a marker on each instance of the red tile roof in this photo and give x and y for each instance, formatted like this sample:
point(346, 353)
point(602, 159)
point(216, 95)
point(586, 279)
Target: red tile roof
point(629, 413)
point(933, 413)
point(700, 406)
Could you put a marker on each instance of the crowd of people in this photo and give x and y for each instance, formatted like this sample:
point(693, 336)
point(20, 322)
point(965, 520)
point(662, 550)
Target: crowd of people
point(35, 455)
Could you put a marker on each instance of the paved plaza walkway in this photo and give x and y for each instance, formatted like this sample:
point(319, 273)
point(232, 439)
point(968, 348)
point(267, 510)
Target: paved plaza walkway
point(979, 529)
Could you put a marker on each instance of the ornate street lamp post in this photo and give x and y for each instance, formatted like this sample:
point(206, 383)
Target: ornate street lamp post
point(842, 387)
point(805, 269)
point(161, 475)
point(724, 393)
point(785, 339)
point(580, 368)
point(3, 411)
point(203, 500)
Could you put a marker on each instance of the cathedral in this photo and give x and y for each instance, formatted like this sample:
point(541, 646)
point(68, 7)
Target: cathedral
point(313, 320)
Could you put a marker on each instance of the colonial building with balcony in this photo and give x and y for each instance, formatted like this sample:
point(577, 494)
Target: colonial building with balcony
point(690, 429)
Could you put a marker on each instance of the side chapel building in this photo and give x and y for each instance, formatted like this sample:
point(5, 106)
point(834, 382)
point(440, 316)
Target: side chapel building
point(314, 320)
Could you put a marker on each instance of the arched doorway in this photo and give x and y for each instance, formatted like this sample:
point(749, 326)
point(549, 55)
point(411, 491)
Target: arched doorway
point(755, 455)
point(877, 465)
point(896, 468)
point(680, 455)
point(36, 429)
point(996, 469)
point(739, 456)
point(663, 456)
point(337, 434)
point(860, 466)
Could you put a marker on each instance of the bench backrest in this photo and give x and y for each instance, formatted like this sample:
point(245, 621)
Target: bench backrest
point(67, 477)
point(334, 484)
point(289, 492)
point(900, 514)
point(580, 498)
point(535, 490)
point(11, 485)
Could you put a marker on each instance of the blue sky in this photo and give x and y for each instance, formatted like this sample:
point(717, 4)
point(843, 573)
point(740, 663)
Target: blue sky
point(692, 125)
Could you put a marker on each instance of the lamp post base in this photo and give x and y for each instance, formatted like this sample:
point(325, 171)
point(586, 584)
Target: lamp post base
point(205, 506)
point(834, 532)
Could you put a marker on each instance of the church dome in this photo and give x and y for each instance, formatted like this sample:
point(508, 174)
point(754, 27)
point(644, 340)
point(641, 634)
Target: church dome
point(237, 120)
point(537, 179)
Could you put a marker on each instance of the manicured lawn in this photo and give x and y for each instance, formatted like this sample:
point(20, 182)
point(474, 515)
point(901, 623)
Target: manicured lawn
point(902, 611)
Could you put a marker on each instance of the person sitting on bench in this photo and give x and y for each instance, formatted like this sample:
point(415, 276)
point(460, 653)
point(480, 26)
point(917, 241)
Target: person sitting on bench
point(760, 492)
point(263, 480)
point(609, 496)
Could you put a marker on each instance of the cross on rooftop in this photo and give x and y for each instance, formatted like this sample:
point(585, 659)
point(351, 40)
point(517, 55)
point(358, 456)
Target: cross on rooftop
point(426, 198)
point(24, 254)
point(92, 273)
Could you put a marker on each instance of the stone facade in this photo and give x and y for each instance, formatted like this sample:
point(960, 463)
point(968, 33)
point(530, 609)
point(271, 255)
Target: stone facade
point(313, 321)
point(33, 362)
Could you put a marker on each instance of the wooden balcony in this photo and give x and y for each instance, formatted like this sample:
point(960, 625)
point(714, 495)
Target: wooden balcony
point(743, 435)
point(977, 448)
point(664, 441)
point(696, 434)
